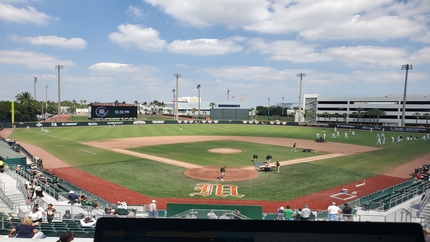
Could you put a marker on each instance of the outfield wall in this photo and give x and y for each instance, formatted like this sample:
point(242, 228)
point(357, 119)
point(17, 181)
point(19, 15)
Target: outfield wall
point(279, 123)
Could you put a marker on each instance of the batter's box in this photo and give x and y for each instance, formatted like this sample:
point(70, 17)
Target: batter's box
point(343, 196)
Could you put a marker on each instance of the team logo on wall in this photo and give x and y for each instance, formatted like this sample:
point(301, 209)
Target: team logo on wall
point(101, 112)
point(220, 190)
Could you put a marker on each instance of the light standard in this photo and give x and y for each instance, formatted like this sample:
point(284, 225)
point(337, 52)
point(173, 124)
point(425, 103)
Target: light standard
point(173, 91)
point(283, 106)
point(35, 80)
point(268, 106)
point(301, 75)
point(59, 67)
point(176, 101)
point(46, 101)
point(406, 67)
point(198, 89)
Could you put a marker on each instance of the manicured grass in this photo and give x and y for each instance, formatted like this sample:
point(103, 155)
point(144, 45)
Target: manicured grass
point(198, 153)
point(161, 180)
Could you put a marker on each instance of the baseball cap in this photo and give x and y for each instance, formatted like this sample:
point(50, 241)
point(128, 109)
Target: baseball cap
point(154, 201)
point(71, 192)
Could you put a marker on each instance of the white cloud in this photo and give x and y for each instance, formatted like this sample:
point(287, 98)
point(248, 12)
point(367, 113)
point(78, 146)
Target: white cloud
point(250, 73)
point(288, 50)
point(372, 56)
point(312, 20)
point(205, 13)
point(111, 66)
point(32, 60)
point(73, 43)
point(23, 15)
point(204, 47)
point(135, 12)
point(130, 35)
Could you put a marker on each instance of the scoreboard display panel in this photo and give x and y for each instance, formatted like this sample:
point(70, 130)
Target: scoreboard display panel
point(112, 112)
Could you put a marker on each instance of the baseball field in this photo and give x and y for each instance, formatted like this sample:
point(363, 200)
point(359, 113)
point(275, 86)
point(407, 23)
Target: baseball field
point(173, 164)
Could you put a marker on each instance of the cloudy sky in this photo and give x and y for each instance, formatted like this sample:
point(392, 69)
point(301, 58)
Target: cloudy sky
point(129, 50)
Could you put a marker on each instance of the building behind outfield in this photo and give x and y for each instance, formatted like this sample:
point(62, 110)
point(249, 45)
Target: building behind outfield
point(347, 109)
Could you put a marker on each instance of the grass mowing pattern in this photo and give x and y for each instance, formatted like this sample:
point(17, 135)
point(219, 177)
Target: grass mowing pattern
point(161, 180)
point(197, 153)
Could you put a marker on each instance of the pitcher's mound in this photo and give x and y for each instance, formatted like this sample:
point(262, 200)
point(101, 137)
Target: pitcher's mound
point(212, 174)
point(224, 151)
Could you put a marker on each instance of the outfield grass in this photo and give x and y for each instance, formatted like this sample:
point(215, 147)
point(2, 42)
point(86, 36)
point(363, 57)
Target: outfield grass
point(161, 180)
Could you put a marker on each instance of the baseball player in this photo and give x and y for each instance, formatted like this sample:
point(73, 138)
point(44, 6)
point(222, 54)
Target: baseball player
point(222, 173)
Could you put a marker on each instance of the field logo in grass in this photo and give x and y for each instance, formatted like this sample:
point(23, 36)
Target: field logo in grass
point(221, 190)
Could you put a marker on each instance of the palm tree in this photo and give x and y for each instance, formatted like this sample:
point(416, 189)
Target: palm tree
point(212, 104)
point(25, 99)
point(379, 113)
point(417, 116)
point(251, 109)
point(360, 113)
point(344, 116)
point(336, 115)
point(354, 114)
point(326, 114)
point(426, 116)
point(193, 111)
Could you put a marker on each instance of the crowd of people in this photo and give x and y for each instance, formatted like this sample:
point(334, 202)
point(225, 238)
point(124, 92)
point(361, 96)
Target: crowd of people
point(305, 213)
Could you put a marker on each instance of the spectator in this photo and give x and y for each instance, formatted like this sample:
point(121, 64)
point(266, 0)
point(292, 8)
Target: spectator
point(39, 192)
point(122, 205)
point(224, 216)
point(153, 209)
point(36, 215)
point(67, 236)
point(131, 214)
point(212, 215)
point(305, 213)
point(87, 222)
point(50, 213)
point(288, 213)
point(426, 234)
point(347, 212)
point(73, 198)
point(26, 229)
point(55, 180)
point(281, 213)
point(30, 192)
point(333, 212)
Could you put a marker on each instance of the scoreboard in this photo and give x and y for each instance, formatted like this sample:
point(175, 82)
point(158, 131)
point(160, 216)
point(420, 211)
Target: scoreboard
point(112, 112)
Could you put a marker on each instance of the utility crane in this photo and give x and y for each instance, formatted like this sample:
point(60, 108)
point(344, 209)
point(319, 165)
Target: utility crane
point(241, 97)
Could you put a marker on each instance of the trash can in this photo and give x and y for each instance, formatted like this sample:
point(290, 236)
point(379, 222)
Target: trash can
point(345, 191)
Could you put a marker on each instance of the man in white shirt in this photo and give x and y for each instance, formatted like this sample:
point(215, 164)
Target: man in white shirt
point(333, 212)
point(212, 215)
point(153, 209)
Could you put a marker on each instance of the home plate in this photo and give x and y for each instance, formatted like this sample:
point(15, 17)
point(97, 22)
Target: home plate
point(343, 196)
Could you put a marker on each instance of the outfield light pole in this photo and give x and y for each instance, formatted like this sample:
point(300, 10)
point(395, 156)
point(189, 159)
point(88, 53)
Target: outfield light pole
point(268, 107)
point(59, 68)
point(35, 80)
point(176, 101)
point(299, 117)
point(198, 90)
point(46, 101)
point(406, 67)
point(283, 106)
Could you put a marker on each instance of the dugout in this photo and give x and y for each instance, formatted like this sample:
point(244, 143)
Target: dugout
point(10, 156)
point(253, 212)
point(229, 114)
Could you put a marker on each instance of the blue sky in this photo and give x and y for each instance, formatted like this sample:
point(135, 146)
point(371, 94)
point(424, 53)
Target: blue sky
point(129, 50)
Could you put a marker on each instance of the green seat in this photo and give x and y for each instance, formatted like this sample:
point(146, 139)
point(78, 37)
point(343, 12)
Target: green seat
point(312, 217)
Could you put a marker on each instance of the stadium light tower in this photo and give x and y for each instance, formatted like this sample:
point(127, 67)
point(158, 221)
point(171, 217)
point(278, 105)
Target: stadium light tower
point(283, 106)
point(301, 75)
point(59, 68)
point(35, 80)
point(406, 67)
point(198, 90)
point(268, 107)
point(176, 101)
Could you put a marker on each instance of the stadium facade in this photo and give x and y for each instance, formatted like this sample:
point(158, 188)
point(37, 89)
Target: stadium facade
point(349, 107)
